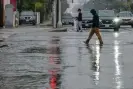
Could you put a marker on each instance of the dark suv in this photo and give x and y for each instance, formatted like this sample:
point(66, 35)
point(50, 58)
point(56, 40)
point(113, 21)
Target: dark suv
point(27, 17)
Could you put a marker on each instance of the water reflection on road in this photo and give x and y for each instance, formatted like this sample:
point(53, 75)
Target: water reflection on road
point(95, 52)
point(118, 71)
point(54, 64)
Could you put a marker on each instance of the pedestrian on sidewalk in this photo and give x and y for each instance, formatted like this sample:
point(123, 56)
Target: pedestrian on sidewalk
point(95, 27)
point(79, 18)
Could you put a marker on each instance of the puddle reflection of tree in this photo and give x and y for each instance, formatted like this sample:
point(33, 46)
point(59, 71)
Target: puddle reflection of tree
point(95, 61)
point(55, 64)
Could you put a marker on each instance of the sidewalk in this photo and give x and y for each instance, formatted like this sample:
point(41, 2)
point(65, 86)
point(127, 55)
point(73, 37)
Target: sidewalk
point(48, 24)
point(44, 27)
point(7, 32)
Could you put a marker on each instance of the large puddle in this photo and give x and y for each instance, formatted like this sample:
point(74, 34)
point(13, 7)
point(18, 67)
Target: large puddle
point(65, 62)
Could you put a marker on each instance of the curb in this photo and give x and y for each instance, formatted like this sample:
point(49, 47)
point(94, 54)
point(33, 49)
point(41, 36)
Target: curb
point(59, 30)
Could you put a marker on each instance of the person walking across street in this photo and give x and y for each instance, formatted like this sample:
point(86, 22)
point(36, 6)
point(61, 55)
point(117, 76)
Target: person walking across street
point(79, 18)
point(95, 28)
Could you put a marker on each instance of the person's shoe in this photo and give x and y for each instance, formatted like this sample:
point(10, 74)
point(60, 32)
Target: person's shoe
point(101, 43)
point(80, 31)
point(86, 42)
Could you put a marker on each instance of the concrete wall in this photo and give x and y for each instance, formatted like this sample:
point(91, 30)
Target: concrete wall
point(5, 2)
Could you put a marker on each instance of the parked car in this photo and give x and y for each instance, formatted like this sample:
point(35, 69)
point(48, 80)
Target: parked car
point(109, 20)
point(86, 18)
point(126, 17)
point(67, 19)
point(27, 17)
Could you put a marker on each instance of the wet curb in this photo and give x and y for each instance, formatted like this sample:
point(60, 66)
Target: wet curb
point(59, 30)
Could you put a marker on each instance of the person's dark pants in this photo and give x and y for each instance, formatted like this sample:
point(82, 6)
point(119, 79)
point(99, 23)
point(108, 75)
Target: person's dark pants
point(97, 32)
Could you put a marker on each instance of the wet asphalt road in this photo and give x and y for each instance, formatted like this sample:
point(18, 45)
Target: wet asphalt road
point(51, 60)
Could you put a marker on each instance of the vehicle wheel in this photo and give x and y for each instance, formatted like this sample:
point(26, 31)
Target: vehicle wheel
point(116, 29)
point(20, 23)
point(72, 24)
point(132, 26)
point(33, 23)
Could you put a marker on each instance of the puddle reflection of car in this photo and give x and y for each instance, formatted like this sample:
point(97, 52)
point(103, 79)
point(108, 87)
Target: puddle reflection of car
point(126, 17)
point(109, 20)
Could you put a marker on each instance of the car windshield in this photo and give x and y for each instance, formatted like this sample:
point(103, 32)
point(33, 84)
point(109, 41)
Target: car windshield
point(125, 15)
point(86, 14)
point(67, 16)
point(106, 13)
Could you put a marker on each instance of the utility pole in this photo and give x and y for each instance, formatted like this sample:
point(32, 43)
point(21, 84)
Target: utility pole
point(55, 14)
point(59, 14)
point(72, 1)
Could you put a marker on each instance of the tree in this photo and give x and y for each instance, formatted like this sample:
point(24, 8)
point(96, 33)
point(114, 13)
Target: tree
point(131, 7)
